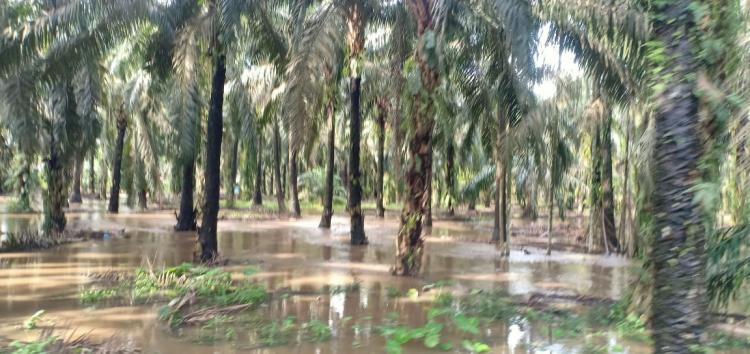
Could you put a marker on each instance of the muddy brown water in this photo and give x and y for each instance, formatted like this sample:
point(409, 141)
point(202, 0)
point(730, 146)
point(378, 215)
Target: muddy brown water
point(293, 255)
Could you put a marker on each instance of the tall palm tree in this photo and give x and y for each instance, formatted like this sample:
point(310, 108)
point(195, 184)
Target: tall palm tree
point(678, 252)
point(691, 116)
point(409, 243)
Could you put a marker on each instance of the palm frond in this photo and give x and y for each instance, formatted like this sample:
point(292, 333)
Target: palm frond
point(316, 52)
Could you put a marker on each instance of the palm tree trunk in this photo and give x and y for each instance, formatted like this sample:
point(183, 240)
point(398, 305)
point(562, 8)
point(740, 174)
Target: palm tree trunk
point(380, 209)
point(55, 215)
point(212, 172)
point(594, 241)
point(428, 209)
point(75, 196)
point(92, 175)
point(551, 206)
point(233, 165)
point(608, 204)
point(54, 199)
point(114, 196)
point(409, 243)
point(358, 236)
point(679, 303)
point(258, 195)
point(504, 203)
point(24, 201)
point(629, 244)
point(143, 199)
point(499, 180)
point(284, 168)
point(325, 219)
point(277, 168)
point(293, 165)
point(186, 219)
point(449, 177)
point(496, 225)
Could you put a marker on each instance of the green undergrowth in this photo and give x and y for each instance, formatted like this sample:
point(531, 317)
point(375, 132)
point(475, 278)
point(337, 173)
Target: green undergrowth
point(206, 286)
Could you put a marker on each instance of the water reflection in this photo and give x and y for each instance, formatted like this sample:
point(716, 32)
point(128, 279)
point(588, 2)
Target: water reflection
point(309, 265)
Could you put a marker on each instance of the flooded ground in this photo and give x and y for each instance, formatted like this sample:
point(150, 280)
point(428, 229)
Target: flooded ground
point(310, 265)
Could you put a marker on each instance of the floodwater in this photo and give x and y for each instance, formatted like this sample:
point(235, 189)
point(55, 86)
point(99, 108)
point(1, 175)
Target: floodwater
point(296, 256)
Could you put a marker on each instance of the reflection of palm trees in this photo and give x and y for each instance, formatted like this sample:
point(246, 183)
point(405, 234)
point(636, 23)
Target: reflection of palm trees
point(357, 254)
point(500, 266)
point(327, 253)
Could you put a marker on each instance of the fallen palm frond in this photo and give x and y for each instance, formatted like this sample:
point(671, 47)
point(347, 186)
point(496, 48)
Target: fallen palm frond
point(110, 276)
point(194, 293)
point(31, 240)
point(204, 315)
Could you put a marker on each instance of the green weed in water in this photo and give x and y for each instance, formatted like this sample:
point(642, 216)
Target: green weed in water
point(35, 347)
point(488, 305)
point(347, 288)
point(474, 346)
point(93, 296)
point(316, 331)
point(33, 321)
point(277, 333)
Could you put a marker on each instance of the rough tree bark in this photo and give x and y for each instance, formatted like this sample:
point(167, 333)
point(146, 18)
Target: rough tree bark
point(114, 195)
point(325, 219)
point(358, 236)
point(679, 302)
point(409, 243)
point(212, 172)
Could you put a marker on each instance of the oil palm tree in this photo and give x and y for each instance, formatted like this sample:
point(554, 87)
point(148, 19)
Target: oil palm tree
point(424, 67)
